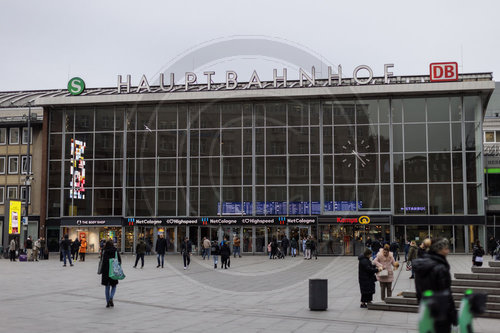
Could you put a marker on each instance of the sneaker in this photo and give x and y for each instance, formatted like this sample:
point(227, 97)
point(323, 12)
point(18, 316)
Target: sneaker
point(185, 267)
point(71, 265)
point(111, 303)
point(107, 305)
point(64, 265)
point(157, 266)
point(134, 266)
point(411, 277)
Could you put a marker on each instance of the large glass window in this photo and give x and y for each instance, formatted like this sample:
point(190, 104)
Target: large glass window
point(414, 110)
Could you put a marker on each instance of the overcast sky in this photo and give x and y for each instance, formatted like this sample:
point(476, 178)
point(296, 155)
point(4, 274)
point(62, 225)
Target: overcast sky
point(44, 43)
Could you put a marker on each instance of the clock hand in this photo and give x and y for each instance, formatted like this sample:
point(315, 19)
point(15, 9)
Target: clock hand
point(359, 157)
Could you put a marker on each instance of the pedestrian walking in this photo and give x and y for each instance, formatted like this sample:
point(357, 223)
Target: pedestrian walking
point(140, 250)
point(66, 250)
point(407, 249)
point(432, 272)
point(477, 254)
point(75, 247)
point(43, 250)
point(83, 248)
point(206, 248)
point(423, 248)
point(368, 243)
point(394, 247)
point(161, 248)
point(36, 248)
point(236, 246)
point(412, 255)
point(186, 249)
point(366, 277)
point(29, 248)
point(274, 248)
point(285, 243)
point(492, 245)
point(12, 250)
point(376, 246)
point(293, 247)
point(149, 246)
point(215, 253)
point(225, 253)
point(109, 252)
point(385, 260)
point(314, 248)
point(304, 241)
point(308, 248)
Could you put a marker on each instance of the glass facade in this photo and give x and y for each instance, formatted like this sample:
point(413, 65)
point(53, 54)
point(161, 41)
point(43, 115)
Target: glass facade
point(404, 156)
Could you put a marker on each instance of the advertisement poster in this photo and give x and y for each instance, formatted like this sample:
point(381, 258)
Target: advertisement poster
point(14, 217)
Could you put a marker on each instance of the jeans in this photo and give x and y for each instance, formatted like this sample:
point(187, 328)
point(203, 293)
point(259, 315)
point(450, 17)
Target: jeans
point(385, 286)
point(162, 256)
point(216, 259)
point(109, 293)
point(66, 254)
point(206, 253)
point(293, 252)
point(236, 250)
point(186, 258)
point(42, 253)
point(137, 256)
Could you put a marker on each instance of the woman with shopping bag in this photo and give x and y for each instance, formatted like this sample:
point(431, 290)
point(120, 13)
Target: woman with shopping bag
point(109, 277)
point(385, 261)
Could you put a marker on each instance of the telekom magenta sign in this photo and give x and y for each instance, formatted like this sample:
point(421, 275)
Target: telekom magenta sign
point(444, 71)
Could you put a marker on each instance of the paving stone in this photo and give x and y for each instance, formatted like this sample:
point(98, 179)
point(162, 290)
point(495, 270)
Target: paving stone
point(255, 295)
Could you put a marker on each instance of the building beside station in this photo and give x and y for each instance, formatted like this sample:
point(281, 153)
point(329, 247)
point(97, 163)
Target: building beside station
point(342, 159)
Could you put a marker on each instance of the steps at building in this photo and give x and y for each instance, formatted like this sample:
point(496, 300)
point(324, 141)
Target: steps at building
point(476, 284)
point(484, 280)
point(494, 263)
point(487, 270)
point(477, 276)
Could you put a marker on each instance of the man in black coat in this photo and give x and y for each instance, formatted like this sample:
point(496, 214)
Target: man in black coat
point(285, 243)
point(432, 272)
point(376, 245)
point(161, 248)
point(366, 277)
point(66, 246)
point(225, 253)
point(186, 249)
point(492, 245)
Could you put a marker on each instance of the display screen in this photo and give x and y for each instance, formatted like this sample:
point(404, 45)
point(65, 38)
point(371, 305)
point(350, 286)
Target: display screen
point(77, 170)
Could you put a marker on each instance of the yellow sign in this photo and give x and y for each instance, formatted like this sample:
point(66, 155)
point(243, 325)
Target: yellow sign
point(364, 220)
point(14, 217)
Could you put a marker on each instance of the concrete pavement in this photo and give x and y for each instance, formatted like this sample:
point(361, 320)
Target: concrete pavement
point(255, 295)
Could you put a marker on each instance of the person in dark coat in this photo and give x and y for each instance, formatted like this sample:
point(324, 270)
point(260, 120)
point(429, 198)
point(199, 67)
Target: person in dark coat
point(225, 253)
point(74, 249)
point(366, 277)
point(140, 250)
point(432, 272)
point(215, 253)
point(492, 245)
point(186, 249)
point(109, 252)
point(376, 246)
point(274, 247)
point(285, 243)
point(161, 248)
point(477, 254)
point(66, 246)
point(293, 246)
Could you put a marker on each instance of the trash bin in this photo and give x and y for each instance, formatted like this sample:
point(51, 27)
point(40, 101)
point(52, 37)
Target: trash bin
point(318, 294)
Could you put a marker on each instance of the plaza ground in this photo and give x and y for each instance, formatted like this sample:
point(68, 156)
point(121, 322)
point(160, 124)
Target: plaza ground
point(255, 295)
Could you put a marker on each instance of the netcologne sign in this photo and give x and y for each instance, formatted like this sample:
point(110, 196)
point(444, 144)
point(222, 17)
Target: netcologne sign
point(361, 75)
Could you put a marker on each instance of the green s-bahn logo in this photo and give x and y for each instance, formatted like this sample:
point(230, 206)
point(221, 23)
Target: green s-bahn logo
point(76, 86)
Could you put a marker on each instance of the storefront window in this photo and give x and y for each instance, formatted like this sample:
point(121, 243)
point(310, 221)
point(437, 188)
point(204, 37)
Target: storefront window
point(459, 239)
point(129, 239)
point(260, 239)
point(417, 233)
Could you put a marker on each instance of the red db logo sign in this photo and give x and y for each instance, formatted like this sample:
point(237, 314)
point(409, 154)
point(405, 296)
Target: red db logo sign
point(444, 71)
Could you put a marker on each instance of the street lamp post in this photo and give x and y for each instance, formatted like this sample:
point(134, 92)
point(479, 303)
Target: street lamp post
point(27, 181)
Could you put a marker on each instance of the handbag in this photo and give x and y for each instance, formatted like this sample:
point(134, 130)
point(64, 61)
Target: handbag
point(115, 269)
point(479, 259)
point(99, 267)
point(383, 273)
point(408, 266)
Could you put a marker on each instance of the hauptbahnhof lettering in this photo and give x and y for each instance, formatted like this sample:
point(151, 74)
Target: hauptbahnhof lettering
point(261, 159)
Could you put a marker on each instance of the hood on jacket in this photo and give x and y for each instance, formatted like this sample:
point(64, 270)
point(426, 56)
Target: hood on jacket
point(361, 256)
point(425, 264)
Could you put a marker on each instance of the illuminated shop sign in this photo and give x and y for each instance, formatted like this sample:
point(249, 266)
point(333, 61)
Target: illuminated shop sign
point(361, 75)
point(331, 206)
point(353, 220)
point(91, 222)
point(413, 209)
point(14, 217)
point(77, 170)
